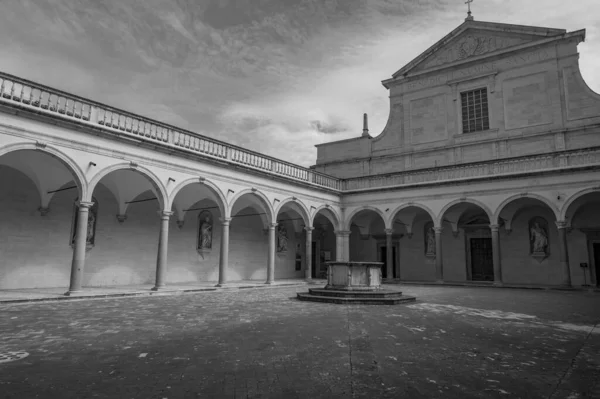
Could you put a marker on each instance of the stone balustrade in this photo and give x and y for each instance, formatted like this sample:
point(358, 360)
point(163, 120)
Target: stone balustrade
point(20, 93)
point(500, 167)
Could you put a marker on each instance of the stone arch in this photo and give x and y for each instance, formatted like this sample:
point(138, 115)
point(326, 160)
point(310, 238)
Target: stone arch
point(512, 198)
point(408, 205)
point(221, 201)
point(363, 208)
point(304, 211)
point(261, 196)
point(70, 164)
point(438, 221)
point(152, 178)
point(330, 214)
point(562, 215)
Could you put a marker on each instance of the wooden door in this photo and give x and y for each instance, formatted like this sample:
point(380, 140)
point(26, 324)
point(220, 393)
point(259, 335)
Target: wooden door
point(482, 263)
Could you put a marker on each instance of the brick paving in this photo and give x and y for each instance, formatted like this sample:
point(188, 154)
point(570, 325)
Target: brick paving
point(454, 342)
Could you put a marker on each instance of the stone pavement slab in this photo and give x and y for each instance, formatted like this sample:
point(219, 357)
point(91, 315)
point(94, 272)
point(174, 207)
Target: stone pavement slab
point(454, 342)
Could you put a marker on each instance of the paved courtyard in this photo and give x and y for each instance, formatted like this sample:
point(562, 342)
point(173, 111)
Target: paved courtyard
point(454, 342)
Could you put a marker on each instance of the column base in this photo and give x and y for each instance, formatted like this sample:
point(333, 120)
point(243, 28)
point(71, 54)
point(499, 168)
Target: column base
point(498, 284)
point(73, 293)
point(221, 285)
point(269, 282)
point(158, 288)
point(439, 281)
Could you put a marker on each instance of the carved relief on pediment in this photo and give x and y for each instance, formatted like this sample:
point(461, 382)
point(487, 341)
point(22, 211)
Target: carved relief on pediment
point(467, 46)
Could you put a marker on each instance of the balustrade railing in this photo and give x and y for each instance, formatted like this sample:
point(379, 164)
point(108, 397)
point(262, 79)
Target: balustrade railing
point(46, 100)
point(534, 163)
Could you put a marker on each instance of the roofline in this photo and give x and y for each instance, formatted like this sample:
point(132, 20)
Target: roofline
point(534, 30)
point(341, 141)
point(387, 82)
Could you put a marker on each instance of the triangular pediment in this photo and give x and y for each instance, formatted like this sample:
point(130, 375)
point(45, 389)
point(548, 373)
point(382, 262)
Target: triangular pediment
point(474, 39)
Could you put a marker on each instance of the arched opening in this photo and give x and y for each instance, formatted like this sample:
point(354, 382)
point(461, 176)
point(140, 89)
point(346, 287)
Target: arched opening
point(583, 238)
point(467, 253)
point(413, 245)
point(323, 245)
point(292, 218)
point(36, 212)
point(195, 234)
point(529, 247)
point(127, 230)
point(248, 237)
point(367, 235)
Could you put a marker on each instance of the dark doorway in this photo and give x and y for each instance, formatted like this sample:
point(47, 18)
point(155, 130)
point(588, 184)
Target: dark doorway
point(313, 260)
point(482, 263)
point(596, 247)
point(384, 260)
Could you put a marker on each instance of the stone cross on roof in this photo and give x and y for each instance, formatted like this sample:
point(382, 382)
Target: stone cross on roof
point(469, 17)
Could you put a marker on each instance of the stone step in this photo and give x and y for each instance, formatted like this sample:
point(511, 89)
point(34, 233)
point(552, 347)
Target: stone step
point(355, 294)
point(356, 301)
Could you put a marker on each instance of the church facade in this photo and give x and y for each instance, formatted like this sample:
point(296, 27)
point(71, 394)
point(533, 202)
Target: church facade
point(487, 171)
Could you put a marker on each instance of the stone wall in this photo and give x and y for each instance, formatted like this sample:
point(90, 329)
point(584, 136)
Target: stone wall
point(35, 250)
point(532, 94)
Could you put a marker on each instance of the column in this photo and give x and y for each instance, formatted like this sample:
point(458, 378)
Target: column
point(564, 252)
point(339, 246)
point(496, 254)
point(344, 244)
point(308, 263)
point(79, 248)
point(389, 254)
point(271, 255)
point(439, 266)
point(224, 255)
point(163, 245)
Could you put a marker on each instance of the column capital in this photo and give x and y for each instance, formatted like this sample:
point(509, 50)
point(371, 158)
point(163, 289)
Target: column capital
point(494, 227)
point(165, 214)
point(225, 221)
point(272, 225)
point(561, 224)
point(389, 232)
point(85, 204)
point(308, 229)
point(342, 232)
point(438, 229)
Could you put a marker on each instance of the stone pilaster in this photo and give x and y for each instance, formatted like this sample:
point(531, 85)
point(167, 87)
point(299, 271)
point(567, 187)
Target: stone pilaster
point(343, 244)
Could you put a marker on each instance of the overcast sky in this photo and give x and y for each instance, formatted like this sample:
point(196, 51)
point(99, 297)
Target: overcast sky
point(275, 76)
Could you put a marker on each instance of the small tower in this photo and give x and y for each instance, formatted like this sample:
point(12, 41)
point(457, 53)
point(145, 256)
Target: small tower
point(365, 132)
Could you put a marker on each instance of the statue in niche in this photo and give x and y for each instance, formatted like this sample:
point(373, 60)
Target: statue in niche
point(91, 224)
point(429, 239)
point(538, 236)
point(282, 239)
point(90, 235)
point(205, 230)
